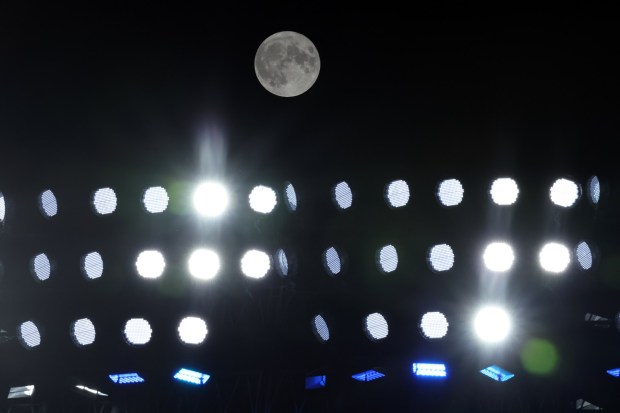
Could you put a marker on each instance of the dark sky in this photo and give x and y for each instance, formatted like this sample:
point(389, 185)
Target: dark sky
point(130, 96)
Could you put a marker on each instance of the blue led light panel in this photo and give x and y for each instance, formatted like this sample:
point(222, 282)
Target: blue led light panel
point(429, 370)
point(614, 372)
point(497, 373)
point(126, 378)
point(368, 375)
point(190, 376)
point(316, 382)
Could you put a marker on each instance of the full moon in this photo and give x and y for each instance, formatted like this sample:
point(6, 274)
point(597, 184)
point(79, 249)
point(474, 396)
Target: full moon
point(287, 64)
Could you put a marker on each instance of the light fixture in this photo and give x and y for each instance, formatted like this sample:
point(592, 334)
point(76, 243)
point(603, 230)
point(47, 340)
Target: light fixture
point(92, 265)
point(263, 199)
point(126, 378)
point(2, 208)
point(429, 370)
point(504, 191)
point(387, 258)
point(316, 382)
point(320, 328)
point(376, 327)
point(150, 264)
point(192, 330)
point(191, 376)
point(291, 196)
point(211, 199)
point(203, 264)
point(332, 261)
point(83, 332)
point(554, 257)
point(28, 334)
point(564, 192)
point(48, 204)
point(137, 331)
point(497, 373)
point(255, 264)
point(41, 267)
point(104, 201)
point(441, 257)
point(434, 325)
point(583, 252)
point(20, 392)
point(284, 262)
point(88, 390)
point(614, 372)
point(594, 189)
point(397, 193)
point(368, 375)
point(155, 199)
point(498, 257)
point(492, 324)
point(450, 192)
point(342, 195)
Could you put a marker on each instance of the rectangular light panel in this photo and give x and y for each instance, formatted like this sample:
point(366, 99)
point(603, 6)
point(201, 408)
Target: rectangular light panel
point(614, 372)
point(191, 376)
point(89, 390)
point(21, 391)
point(429, 370)
point(126, 378)
point(368, 375)
point(497, 373)
point(316, 382)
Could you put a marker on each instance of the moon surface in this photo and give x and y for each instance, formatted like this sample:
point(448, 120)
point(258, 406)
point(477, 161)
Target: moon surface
point(287, 64)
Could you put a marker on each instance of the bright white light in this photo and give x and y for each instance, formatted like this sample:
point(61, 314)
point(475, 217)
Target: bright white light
point(91, 391)
point(282, 262)
point(594, 189)
point(342, 195)
point(204, 264)
point(388, 258)
point(92, 265)
point(554, 257)
point(320, 329)
point(150, 264)
point(331, 260)
point(104, 201)
point(255, 264)
point(492, 324)
point(441, 257)
point(137, 331)
point(376, 327)
point(41, 267)
point(193, 330)
point(83, 332)
point(210, 199)
point(434, 325)
point(29, 335)
point(498, 257)
point(155, 199)
point(504, 191)
point(2, 207)
point(584, 255)
point(263, 199)
point(450, 192)
point(397, 193)
point(48, 204)
point(564, 193)
point(291, 196)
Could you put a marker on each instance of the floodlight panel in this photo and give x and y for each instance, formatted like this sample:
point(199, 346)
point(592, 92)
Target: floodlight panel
point(498, 257)
point(92, 265)
point(316, 382)
point(584, 255)
point(155, 199)
point(397, 193)
point(104, 201)
point(564, 192)
point(368, 375)
point(388, 259)
point(192, 330)
point(2, 207)
point(126, 378)
point(497, 373)
point(441, 257)
point(554, 257)
point(320, 328)
point(83, 332)
point(204, 264)
point(255, 264)
point(504, 191)
point(429, 370)
point(342, 195)
point(29, 335)
point(48, 204)
point(492, 324)
point(594, 189)
point(434, 325)
point(211, 199)
point(21, 392)
point(291, 196)
point(41, 267)
point(332, 261)
point(450, 192)
point(263, 199)
point(137, 331)
point(376, 327)
point(282, 262)
point(190, 376)
point(150, 264)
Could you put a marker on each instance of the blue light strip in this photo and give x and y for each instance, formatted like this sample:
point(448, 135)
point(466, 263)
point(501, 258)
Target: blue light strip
point(614, 372)
point(191, 376)
point(316, 382)
point(429, 369)
point(497, 373)
point(126, 378)
point(368, 375)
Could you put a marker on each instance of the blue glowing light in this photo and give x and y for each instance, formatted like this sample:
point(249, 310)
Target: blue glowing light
point(191, 376)
point(316, 382)
point(429, 369)
point(497, 373)
point(614, 372)
point(368, 375)
point(126, 378)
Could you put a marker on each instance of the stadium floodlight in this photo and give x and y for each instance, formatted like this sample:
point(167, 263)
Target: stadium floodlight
point(28, 334)
point(332, 261)
point(498, 257)
point(387, 258)
point(397, 193)
point(434, 325)
point(504, 191)
point(316, 382)
point(492, 324)
point(554, 257)
point(263, 199)
point(126, 378)
point(255, 264)
point(211, 199)
point(41, 267)
point(83, 332)
point(320, 328)
point(104, 201)
point(203, 264)
point(291, 196)
point(564, 193)
point(441, 257)
point(497, 373)
point(193, 330)
point(376, 327)
point(582, 404)
point(155, 199)
point(584, 255)
point(137, 331)
point(429, 370)
point(48, 203)
point(342, 195)
point(21, 392)
point(92, 265)
point(86, 389)
point(450, 192)
point(190, 376)
point(150, 264)
point(594, 189)
point(614, 372)
point(368, 375)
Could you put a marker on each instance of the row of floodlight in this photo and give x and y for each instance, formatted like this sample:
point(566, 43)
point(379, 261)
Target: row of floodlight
point(205, 264)
point(211, 199)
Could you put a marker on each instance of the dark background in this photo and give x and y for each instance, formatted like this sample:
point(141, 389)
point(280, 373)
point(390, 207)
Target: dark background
point(130, 97)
